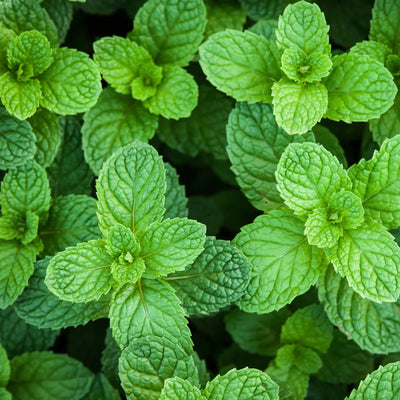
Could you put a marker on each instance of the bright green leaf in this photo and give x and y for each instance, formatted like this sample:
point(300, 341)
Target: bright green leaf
point(179, 389)
point(299, 357)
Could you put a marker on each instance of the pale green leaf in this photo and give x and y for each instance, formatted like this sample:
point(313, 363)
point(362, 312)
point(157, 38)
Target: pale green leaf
point(242, 384)
point(19, 337)
point(257, 334)
point(119, 61)
point(377, 183)
point(26, 15)
point(71, 84)
point(265, 28)
point(20, 98)
point(17, 141)
point(46, 127)
point(131, 188)
point(69, 174)
point(120, 240)
point(298, 106)
point(346, 209)
point(175, 195)
point(302, 26)
point(29, 52)
point(171, 245)
point(102, 389)
point(384, 383)
point(309, 327)
point(284, 264)
point(385, 23)
point(81, 273)
point(171, 30)
point(61, 13)
point(72, 220)
point(25, 188)
point(308, 175)
point(147, 307)
point(241, 64)
point(369, 258)
point(48, 376)
point(4, 367)
point(115, 121)
point(149, 360)
point(376, 50)
point(176, 95)
point(179, 389)
point(218, 277)
point(255, 144)
point(374, 327)
point(359, 89)
point(38, 306)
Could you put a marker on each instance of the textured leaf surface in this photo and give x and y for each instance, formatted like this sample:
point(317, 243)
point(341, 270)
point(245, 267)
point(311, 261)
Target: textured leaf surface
point(370, 260)
point(242, 384)
point(255, 145)
point(72, 220)
point(171, 245)
point(115, 121)
point(102, 389)
point(4, 367)
point(148, 361)
point(38, 306)
point(217, 277)
point(265, 28)
point(148, 307)
point(384, 383)
point(178, 389)
point(16, 266)
point(61, 14)
point(176, 95)
point(17, 141)
point(131, 188)
point(81, 273)
point(284, 264)
point(71, 84)
point(69, 174)
point(298, 106)
point(308, 175)
point(19, 337)
point(171, 30)
point(257, 334)
point(175, 196)
point(374, 327)
point(359, 89)
point(377, 183)
point(241, 64)
point(48, 376)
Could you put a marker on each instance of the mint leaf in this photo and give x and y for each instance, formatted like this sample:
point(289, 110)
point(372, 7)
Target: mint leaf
point(23, 15)
point(38, 306)
point(374, 327)
point(30, 51)
point(175, 196)
point(102, 389)
point(175, 96)
point(24, 189)
point(243, 384)
point(308, 175)
point(45, 375)
point(376, 50)
point(218, 277)
point(171, 30)
point(71, 84)
point(355, 83)
point(147, 307)
point(241, 64)
point(170, 245)
point(81, 273)
point(298, 106)
point(302, 26)
point(20, 98)
point(5, 395)
point(149, 360)
point(119, 61)
point(264, 10)
point(17, 141)
point(61, 13)
point(4, 367)
point(255, 145)
point(284, 264)
point(325, 137)
point(376, 183)
point(266, 28)
point(72, 220)
point(383, 382)
point(131, 188)
point(370, 260)
point(46, 128)
point(113, 122)
point(178, 389)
